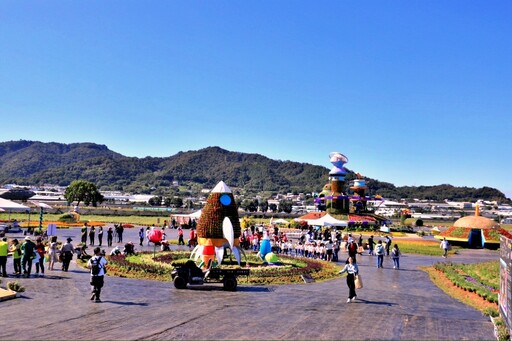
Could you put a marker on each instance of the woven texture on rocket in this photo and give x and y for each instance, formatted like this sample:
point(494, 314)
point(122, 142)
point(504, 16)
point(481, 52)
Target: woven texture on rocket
point(210, 223)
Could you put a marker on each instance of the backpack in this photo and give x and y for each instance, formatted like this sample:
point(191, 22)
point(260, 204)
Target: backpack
point(95, 266)
point(379, 249)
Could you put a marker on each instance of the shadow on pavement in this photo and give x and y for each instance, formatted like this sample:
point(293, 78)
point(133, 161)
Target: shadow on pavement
point(126, 303)
point(383, 303)
point(254, 289)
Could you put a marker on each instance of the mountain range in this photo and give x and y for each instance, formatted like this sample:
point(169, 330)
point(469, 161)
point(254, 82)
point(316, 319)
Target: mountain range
point(38, 163)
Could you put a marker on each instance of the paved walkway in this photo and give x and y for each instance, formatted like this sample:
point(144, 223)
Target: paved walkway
point(394, 305)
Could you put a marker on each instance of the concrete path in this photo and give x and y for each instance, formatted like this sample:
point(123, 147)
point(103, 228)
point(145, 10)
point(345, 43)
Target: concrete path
point(394, 305)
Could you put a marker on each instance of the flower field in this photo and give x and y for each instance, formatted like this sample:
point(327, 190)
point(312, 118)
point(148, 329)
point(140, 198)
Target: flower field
point(145, 266)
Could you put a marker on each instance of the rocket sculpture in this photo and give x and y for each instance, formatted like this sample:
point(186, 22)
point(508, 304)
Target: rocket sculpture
point(218, 227)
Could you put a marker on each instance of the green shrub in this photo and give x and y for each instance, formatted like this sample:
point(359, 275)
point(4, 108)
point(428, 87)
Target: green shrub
point(493, 312)
point(15, 286)
point(67, 218)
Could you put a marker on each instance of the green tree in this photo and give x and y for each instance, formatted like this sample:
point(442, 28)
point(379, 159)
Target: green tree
point(263, 206)
point(285, 206)
point(177, 202)
point(82, 190)
point(155, 201)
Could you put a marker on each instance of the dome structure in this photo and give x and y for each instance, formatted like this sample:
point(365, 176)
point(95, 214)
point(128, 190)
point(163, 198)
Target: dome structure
point(475, 231)
point(476, 222)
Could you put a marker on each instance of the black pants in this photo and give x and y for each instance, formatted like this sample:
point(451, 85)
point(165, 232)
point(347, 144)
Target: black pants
point(100, 238)
point(351, 286)
point(109, 240)
point(96, 285)
point(3, 265)
point(66, 259)
point(17, 265)
point(26, 264)
point(40, 264)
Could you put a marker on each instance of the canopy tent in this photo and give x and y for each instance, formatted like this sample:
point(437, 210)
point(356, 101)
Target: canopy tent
point(327, 220)
point(183, 219)
point(196, 215)
point(277, 221)
point(40, 204)
point(12, 206)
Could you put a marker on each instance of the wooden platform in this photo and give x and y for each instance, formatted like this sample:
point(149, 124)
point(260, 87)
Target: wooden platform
point(6, 294)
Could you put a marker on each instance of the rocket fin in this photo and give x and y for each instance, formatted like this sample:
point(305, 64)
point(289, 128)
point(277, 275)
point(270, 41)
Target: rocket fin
point(236, 252)
point(219, 251)
point(227, 231)
point(198, 250)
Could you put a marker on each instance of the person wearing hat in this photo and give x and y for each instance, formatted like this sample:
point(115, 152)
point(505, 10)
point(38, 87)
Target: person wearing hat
point(27, 249)
point(67, 254)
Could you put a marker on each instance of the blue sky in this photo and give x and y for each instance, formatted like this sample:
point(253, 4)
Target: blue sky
point(412, 92)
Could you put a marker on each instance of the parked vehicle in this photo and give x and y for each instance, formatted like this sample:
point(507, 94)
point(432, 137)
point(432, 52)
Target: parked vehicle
point(191, 274)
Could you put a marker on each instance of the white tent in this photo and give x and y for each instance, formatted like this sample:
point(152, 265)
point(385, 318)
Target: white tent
point(327, 220)
point(40, 204)
point(280, 221)
point(196, 215)
point(11, 206)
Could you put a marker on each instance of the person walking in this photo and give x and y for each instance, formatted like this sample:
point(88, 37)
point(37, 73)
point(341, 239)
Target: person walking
point(371, 245)
point(67, 254)
point(379, 251)
point(352, 250)
point(445, 245)
point(97, 265)
point(40, 261)
point(180, 236)
point(395, 254)
point(4, 251)
point(388, 245)
point(15, 249)
point(352, 270)
point(27, 250)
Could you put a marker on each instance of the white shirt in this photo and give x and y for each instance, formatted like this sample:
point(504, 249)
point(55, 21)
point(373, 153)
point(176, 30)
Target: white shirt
point(102, 263)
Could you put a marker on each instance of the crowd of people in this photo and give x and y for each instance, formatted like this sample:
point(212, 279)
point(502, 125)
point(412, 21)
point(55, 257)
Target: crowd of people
point(43, 253)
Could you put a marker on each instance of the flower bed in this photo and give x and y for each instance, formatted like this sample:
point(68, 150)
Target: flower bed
point(145, 266)
point(458, 276)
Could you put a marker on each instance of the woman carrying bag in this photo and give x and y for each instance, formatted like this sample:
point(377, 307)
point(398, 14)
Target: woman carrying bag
point(352, 271)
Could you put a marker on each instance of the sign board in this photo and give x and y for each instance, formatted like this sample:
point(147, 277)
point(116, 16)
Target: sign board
point(505, 296)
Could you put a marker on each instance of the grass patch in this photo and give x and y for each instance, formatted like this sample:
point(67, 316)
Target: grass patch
point(422, 247)
point(472, 284)
point(476, 285)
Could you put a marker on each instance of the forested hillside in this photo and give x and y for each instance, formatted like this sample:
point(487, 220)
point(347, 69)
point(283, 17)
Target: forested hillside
point(38, 163)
